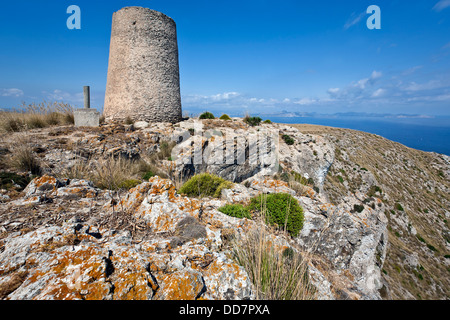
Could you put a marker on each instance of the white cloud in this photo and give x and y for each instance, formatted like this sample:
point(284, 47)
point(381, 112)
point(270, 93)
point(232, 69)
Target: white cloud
point(59, 95)
point(441, 5)
point(430, 85)
point(12, 92)
point(438, 98)
point(353, 20)
point(225, 96)
point(356, 89)
point(368, 81)
point(333, 91)
point(305, 101)
point(378, 93)
point(411, 70)
point(376, 75)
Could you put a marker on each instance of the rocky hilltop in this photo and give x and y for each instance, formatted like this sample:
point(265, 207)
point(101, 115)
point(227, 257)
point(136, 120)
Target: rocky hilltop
point(97, 213)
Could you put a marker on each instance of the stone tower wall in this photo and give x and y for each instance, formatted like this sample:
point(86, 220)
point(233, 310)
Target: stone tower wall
point(143, 73)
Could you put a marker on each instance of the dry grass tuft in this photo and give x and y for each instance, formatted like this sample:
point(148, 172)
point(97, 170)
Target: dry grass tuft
point(23, 158)
point(36, 116)
point(276, 273)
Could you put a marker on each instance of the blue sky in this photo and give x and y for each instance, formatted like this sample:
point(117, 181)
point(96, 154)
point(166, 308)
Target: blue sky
point(237, 56)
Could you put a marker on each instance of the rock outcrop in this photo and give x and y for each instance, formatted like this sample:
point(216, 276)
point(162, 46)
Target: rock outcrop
point(64, 238)
point(184, 258)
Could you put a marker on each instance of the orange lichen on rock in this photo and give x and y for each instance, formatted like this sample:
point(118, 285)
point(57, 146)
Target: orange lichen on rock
point(180, 285)
point(45, 179)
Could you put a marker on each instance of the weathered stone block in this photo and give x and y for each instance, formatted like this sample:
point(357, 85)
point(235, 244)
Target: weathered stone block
point(86, 118)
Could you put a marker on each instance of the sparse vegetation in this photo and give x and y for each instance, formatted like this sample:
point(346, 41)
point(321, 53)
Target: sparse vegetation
point(358, 208)
point(36, 116)
point(206, 115)
point(236, 210)
point(288, 139)
point(129, 184)
point(373, 190)
point(204, 185)
point(24, 159)
point(9, 180)
point(252, 121)
point(114, 173)
point(277, 274)
point(148, 175)
point(281, 210)
point(225, 117)
point(129, 121)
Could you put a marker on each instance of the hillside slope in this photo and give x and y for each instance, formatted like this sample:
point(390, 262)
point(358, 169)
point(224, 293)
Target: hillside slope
point(414, 185)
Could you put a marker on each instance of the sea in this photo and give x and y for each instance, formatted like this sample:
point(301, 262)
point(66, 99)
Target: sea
point(431, 134)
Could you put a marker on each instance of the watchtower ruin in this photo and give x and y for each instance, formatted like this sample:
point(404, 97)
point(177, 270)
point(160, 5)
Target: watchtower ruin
point(143, 74)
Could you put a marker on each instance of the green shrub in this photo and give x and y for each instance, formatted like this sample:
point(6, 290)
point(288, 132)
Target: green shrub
point(301, 179)
point(398, 207)
point(236, 210)
point(225, 117)
point(373, 190)
point(253, 121)
point(129, 184)
point(281, 210)
point(8, 180)
point(205, 185)
point(148, 175)
point(207, 115)
point(420, 238)
point(288, 139)
point(358, 208)
point(268, 121)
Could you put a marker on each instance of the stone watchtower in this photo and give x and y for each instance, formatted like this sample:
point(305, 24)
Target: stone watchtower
point(143, 73)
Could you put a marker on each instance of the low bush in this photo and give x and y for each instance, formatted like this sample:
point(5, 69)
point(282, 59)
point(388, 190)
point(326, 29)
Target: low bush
point(252, 121)
point(281, 210)
point(207, 115)
point(225, 117)
point(148, 175)
point(236, 210)
point(129, 184)
point(9, 180)
point(204, 185)
point(358, 208)
point(288, 139)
